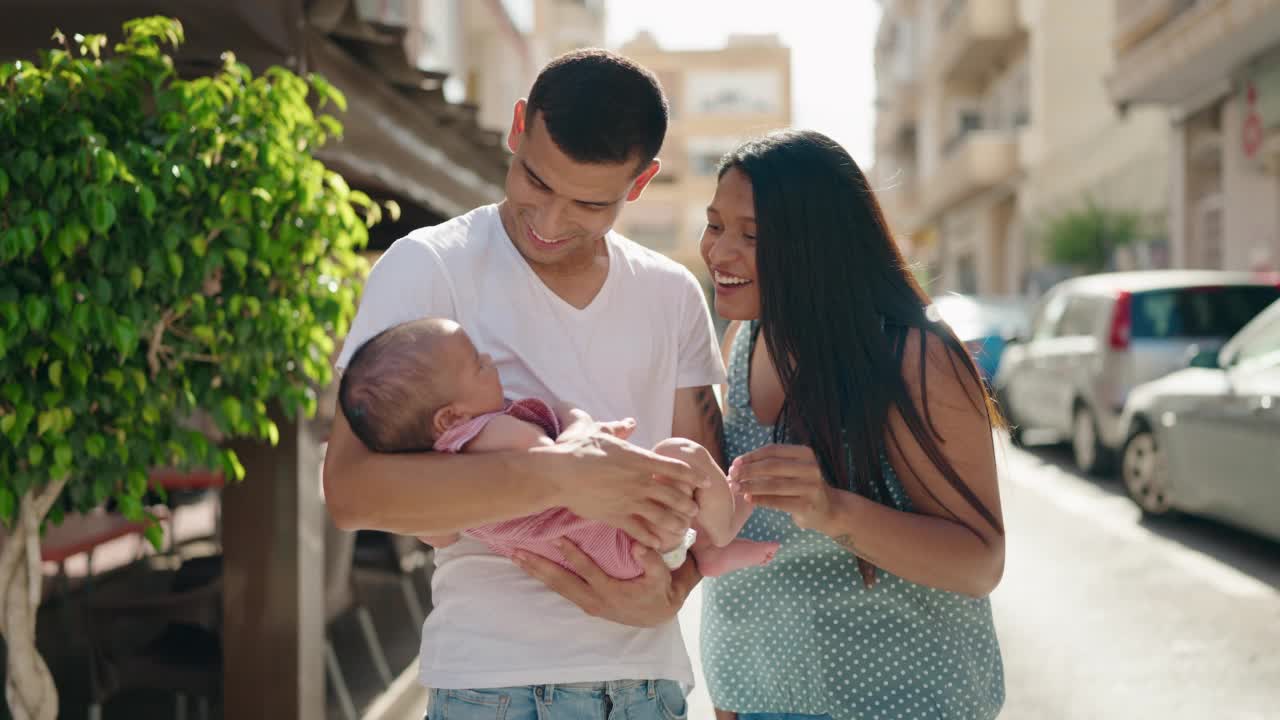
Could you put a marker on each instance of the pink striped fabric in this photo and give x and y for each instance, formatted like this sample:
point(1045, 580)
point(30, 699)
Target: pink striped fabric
point(609, 547)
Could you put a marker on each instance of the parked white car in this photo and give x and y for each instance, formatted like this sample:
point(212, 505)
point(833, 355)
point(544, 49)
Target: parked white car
point(1095, 338)
point(1206, 440)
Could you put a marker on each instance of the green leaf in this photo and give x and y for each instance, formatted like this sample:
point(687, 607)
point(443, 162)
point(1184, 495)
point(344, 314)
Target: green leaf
point(136, 482)
point(269, 429)
point(4, 183)
point(7, 504)
point(47, 420)
point(175, 264)
point(107, 166)
point(154, 533)
point(146, 202)
point(114, 378)
point(7, 422)
point(135, 277)
point(11, 314)
point(231, 410)
point(102, 213)
point(327, 92)
point(125, 336)
point(62, 456)
point(48, 169)
point(37, 311)
point(231, 466)
point(130, 507)
point(238, 259)
point(95, 446)
point(35, 455)
point(72, 237)
point(55, 373)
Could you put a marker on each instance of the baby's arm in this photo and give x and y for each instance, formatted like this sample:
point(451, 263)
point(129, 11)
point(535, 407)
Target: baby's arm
point(507, 433)
point(503, 432)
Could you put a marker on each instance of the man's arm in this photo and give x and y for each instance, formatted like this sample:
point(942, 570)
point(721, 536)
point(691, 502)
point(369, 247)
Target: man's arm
point(698, 418)
point(598, 477)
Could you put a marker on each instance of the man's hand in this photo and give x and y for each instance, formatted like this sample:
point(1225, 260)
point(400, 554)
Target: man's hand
point(647, 601)
point(601, 477)
point(576, 423)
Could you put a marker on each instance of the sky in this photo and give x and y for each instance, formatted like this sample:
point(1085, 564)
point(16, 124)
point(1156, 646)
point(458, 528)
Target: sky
point(832, 76)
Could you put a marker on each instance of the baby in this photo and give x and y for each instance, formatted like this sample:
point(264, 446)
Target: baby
point(423, 386)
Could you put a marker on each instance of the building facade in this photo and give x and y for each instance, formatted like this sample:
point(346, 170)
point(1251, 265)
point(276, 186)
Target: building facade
point(992, 118)
point(718, 99)
point(1214, 65)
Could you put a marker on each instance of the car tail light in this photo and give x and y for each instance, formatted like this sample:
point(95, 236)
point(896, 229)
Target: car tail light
point(1121, 322)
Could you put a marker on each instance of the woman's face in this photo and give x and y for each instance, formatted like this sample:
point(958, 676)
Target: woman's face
point(729, 247)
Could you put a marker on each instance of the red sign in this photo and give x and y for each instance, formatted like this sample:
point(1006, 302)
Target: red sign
point(1252, 135)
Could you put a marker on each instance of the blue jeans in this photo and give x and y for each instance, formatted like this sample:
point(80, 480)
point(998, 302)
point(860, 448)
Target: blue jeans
point(615, 700)
point(781, 716)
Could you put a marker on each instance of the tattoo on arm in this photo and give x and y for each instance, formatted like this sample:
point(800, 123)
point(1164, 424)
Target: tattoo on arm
point(712, 420)
point(846, 542)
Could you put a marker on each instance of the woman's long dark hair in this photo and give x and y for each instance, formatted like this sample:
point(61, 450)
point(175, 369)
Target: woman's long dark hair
point(837, 301)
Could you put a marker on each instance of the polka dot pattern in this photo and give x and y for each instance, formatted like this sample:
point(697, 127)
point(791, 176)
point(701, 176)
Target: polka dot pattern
point(804, 635)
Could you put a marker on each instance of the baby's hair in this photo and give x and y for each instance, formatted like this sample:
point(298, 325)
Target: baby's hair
point(396, 382)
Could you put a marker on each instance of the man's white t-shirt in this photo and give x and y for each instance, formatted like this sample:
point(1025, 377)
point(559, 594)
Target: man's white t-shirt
point(647, 333)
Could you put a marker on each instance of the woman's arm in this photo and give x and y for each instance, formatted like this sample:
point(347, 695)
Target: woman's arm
point(945, 543)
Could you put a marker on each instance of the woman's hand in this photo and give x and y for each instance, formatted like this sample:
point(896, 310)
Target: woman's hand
point(788, 478)
point(649, 600)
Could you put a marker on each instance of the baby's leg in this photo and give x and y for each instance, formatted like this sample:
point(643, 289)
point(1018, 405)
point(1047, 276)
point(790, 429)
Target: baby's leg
point(715, 520)
point(716, 561)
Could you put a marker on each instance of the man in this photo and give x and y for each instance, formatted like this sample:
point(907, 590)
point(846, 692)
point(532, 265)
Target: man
point(570, 312)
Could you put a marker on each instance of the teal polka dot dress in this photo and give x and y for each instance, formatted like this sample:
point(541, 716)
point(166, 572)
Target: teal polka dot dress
point(804, 635)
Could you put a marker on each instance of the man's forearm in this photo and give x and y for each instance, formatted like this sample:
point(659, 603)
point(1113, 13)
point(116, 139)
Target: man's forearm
point(431, 493)
point(683, 580)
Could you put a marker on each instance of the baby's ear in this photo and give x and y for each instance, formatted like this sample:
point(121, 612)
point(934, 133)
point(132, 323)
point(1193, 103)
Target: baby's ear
point(445, 418)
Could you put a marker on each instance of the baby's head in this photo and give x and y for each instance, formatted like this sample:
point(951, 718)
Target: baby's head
point(410, 383)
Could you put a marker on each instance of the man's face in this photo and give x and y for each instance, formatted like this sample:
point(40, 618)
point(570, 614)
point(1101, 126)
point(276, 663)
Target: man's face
point(557, 209)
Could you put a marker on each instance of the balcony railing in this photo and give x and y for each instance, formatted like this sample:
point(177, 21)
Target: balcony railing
point(973, 160)
point(975, 36)
point(1137, 20)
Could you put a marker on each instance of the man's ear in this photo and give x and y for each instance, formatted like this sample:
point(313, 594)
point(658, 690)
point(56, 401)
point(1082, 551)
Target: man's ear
point(445, 418)
point(637, 187)
point(517, 125)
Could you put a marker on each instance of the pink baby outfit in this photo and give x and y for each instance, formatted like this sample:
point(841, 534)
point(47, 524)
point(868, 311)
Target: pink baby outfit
point(609, 547)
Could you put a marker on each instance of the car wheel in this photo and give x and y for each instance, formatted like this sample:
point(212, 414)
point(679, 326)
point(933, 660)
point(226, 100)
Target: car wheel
point(1086, 447)
point(1145, 476)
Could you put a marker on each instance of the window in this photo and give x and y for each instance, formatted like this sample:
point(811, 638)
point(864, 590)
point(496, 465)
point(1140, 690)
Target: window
point(1204, 312)
point(1047, 318)
point(1080, 317)
point(1263, 341)
point(733, 92)
point(705, 153)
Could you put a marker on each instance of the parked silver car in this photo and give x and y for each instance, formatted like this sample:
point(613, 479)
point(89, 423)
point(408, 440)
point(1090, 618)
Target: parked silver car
point(1095, 338)
point(1206, 440)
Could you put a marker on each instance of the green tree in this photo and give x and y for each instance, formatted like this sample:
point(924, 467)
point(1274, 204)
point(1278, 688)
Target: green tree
point(167, 246)
point(1086, 237)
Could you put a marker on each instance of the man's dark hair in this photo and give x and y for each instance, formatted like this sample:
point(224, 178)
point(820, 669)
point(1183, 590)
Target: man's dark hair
point(600, 108)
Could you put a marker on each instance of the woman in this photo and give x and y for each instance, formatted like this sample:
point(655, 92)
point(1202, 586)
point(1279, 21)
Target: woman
point(862, 432)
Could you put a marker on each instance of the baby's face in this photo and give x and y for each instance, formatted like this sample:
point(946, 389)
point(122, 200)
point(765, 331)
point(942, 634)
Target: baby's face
point(477, 381)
